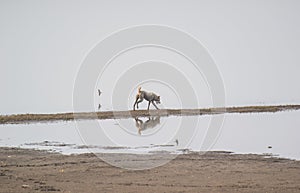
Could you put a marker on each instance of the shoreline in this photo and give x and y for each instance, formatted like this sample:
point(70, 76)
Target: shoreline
point(128, 150)
point(27, 170)
point(32, 118)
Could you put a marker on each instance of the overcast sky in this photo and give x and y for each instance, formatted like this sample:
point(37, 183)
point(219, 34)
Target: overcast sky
point(254, 43)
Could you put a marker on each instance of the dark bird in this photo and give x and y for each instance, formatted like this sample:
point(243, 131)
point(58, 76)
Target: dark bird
point(99, 92)
point(176, 141)
point(99, 106)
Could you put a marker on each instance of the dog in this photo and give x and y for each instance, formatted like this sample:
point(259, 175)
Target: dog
point(149, 96)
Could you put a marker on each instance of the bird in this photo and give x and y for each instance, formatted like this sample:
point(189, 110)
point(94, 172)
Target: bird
point(176, 141)
point(99, 106)
point(99, 92)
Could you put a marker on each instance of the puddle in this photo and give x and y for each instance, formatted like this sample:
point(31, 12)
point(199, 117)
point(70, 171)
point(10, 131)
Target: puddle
point(264, 133)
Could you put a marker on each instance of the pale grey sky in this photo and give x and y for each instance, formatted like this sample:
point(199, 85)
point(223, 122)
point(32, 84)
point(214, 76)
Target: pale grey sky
point(255, 45)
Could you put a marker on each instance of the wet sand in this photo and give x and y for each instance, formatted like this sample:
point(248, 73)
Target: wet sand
point(39, 171)
point(29, 118)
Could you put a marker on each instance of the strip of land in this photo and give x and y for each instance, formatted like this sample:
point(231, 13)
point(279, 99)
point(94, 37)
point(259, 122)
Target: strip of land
point(28, 118)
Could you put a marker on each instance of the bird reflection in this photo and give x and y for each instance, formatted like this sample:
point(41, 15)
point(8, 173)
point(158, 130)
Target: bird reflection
point(150, 123)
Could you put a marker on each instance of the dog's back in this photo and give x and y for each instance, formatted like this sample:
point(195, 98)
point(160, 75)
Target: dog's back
point(150, 96)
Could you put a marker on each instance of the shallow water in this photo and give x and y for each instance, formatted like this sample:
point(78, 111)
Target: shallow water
point(275, 133)
point(263, 133)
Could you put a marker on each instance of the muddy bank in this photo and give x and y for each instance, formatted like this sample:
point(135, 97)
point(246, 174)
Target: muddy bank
point(28, 118)
point(38, 171)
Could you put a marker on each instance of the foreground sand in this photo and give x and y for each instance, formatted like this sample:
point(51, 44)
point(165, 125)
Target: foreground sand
point(38, 171)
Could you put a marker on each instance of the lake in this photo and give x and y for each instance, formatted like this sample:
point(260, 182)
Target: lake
point(260, 133)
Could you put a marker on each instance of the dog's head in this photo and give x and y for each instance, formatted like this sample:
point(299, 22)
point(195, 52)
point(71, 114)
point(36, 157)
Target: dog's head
point(157, 100)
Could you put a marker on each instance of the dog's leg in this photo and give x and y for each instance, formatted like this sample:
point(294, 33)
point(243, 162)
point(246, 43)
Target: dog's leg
point(139, 101)
point(148, 105)
point(154, 105)
point(135, 103)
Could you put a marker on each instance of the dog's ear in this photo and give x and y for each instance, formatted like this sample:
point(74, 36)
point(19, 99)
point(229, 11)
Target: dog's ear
point(158, 97)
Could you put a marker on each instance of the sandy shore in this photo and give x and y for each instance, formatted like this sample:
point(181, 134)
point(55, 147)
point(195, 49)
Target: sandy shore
point(39, 171)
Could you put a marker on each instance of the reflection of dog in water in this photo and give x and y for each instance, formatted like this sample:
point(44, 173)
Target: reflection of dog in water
point(150, 123)
point(149, 96)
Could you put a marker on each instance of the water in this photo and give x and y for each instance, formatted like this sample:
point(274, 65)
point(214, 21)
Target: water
point(276, 133)
point(264, 133)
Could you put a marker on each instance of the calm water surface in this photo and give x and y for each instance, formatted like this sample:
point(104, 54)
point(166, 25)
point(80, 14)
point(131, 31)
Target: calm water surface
point(264, 133)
